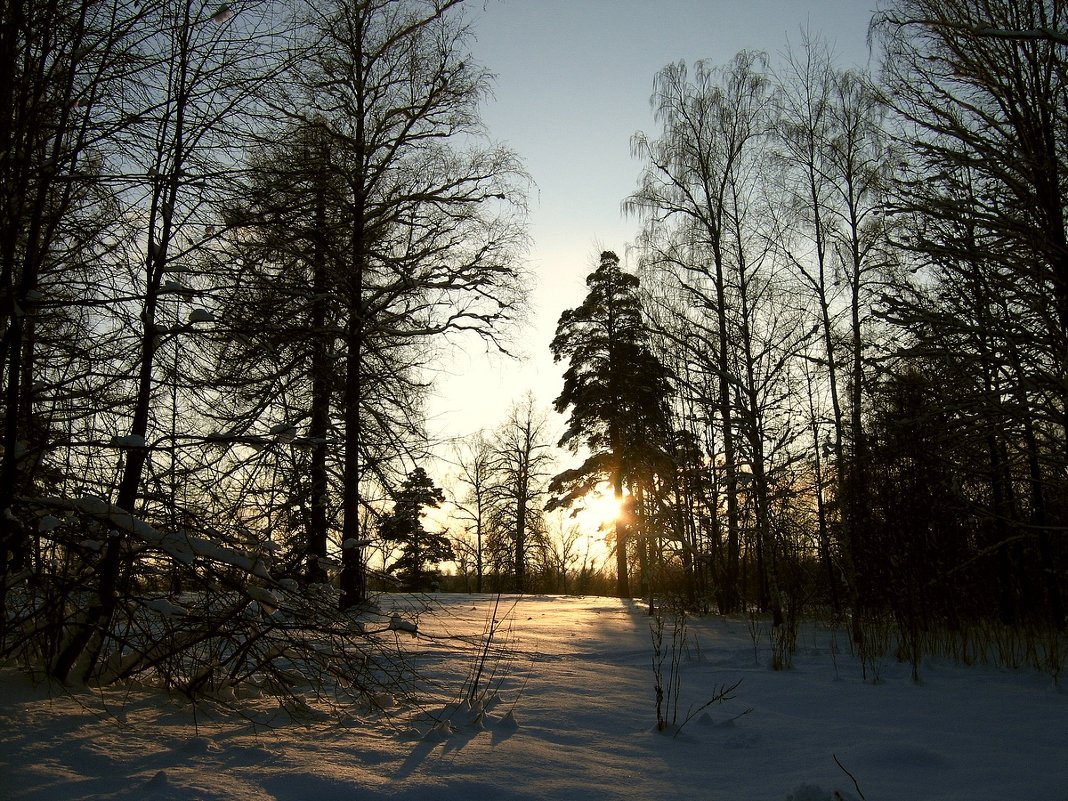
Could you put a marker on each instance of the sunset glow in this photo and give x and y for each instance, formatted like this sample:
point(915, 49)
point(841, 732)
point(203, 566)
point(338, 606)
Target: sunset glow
point(599, 510)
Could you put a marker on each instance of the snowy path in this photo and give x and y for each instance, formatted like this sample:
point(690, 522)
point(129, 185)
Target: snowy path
point(577, 672)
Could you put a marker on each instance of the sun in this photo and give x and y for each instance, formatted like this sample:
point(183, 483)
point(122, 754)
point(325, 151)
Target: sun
point(599, 511)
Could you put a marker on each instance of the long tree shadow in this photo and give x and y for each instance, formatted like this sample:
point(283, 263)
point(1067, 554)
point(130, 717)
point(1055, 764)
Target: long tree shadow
point(454, 740)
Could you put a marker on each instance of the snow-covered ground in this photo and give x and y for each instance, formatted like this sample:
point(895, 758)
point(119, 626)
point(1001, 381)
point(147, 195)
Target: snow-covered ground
point(569, 714)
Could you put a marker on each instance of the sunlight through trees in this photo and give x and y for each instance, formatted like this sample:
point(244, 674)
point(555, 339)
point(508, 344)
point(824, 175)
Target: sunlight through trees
point(238, 244)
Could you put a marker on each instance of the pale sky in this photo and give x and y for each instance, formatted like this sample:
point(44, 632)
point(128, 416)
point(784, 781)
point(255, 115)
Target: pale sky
point(573, 84)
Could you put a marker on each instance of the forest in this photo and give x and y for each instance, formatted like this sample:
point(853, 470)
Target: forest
point(828, 379)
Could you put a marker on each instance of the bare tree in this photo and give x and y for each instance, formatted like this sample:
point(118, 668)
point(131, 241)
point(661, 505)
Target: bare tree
point(979, 90)
point(138, 467)
point(430, 209)
point(473, 497)
point(63, 65)
point(148, 94)
point(837, 159)
point(520, 464)
point(689, 194)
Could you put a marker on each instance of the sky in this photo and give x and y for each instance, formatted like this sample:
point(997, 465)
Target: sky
point(573, 84)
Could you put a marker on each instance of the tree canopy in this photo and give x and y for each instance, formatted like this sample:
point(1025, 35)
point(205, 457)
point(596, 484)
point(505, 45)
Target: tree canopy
point(616, 390)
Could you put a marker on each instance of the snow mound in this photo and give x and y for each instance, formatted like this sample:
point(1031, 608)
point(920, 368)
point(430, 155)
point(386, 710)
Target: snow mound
point(157, 782)
point(166, 607)
point(508, 722)
point(470, 717)
point(48, 523)
point(199, 745)
point(383, 700)
point(813, 792)
point(441, 731)
point(398, 623)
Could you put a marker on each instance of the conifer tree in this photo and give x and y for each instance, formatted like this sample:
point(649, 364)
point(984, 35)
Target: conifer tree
point(403, 528)
point(616, 389)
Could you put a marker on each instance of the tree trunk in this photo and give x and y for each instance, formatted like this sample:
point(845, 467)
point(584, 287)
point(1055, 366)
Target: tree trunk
point(353, 574)
point(622, 533)
point(319, 429)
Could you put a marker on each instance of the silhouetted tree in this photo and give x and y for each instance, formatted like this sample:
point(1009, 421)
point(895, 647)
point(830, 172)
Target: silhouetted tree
point(708, 197)
point(187, 93)
point(689, 194)
point(474, 499)
point(519, 473)
point(433, 211)
point(980, 88)
point(616, 390)
point(402, 527)
point(835, 240)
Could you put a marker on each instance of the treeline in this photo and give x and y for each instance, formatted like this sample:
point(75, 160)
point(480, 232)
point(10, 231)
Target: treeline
point(234, 241)
point(859, 289)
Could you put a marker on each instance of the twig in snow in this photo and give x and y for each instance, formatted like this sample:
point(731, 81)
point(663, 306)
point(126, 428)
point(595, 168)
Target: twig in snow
point(851, 776)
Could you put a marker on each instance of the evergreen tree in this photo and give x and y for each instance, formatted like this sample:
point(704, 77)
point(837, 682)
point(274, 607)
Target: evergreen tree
point(403, 528)
point(616, 389)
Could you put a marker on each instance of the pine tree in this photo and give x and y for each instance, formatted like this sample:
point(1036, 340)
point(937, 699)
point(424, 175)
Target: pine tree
point(616, 389)
point(403, 528)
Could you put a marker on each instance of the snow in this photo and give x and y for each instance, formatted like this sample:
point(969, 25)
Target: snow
point(48, 523)
point(128, 441)
point(176, 287)
point(284, 432)
point(562, 709)
point(398, 623)
point(166, 607)
point(263, 596)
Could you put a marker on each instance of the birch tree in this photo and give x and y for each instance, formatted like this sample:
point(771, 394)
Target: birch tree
point(691, 195)
point(837, 158)
point(519, 476)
